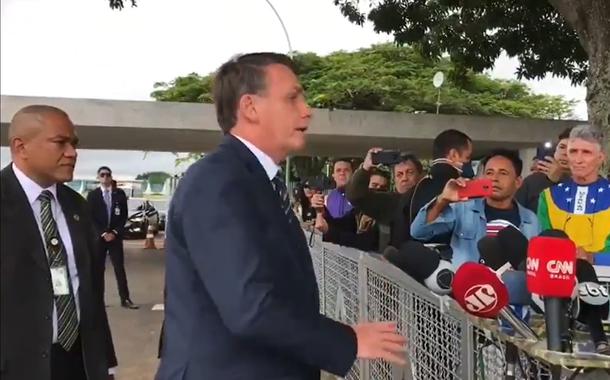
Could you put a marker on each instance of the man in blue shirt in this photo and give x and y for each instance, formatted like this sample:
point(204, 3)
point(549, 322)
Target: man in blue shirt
point(469, 220)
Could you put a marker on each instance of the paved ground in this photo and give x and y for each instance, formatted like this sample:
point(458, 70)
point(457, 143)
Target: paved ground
point(136, 332)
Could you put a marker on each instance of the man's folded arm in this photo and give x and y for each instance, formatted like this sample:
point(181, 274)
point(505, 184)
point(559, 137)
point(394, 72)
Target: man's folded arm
point(232, 259)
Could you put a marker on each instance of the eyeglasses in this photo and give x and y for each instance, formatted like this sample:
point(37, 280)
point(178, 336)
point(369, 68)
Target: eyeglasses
point(102, 175)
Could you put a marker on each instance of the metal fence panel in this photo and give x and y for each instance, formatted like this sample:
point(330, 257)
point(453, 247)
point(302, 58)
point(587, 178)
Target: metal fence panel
point(442, 341)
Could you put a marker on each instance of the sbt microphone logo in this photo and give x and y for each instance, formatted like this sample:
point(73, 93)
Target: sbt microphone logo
point(481, 298)
point(593, 293)
point(557, 269)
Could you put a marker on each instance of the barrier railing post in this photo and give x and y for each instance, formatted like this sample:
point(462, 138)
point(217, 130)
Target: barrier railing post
point(363, 302)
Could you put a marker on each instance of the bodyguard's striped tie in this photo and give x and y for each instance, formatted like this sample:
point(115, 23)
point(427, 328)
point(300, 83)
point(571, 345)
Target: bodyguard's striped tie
point(280, 188)
point(67, 320)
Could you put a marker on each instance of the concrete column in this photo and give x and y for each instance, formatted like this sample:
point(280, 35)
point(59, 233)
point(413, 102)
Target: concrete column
point(527, 155)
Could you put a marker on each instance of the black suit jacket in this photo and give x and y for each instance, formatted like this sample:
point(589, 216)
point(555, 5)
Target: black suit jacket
point(95, 198)
point(26, 305)
point(242, 298)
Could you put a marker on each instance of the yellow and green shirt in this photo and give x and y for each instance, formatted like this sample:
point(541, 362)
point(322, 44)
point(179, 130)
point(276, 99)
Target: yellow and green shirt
point(582, 212)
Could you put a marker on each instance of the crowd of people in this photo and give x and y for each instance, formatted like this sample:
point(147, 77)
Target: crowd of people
point(565, 191)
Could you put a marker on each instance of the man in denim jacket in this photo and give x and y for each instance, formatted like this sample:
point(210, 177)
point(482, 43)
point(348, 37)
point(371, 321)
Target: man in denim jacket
point(470, 220)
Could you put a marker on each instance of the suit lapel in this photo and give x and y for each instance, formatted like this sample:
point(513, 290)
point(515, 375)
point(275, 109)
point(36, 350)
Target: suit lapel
point(78, 232)
point(262, 179)
point(292, 228)
point(19, 211)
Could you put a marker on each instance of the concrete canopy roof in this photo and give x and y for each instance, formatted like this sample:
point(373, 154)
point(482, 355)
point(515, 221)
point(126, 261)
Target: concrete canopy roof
point(192, 127)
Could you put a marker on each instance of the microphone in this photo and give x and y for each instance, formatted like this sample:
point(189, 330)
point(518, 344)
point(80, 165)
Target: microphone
point(551, 274)
point(423, 264)
point(514, 245)
point(506, 250)
point(593, 303)
point(479, 291)
point(491, 254)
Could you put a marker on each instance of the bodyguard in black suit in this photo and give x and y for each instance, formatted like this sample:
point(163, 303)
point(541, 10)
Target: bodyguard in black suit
point(109, 208)
point(53, 321)
point(242, 299)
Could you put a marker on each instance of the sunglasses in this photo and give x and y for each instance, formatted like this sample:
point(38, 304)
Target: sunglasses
point(102, 175)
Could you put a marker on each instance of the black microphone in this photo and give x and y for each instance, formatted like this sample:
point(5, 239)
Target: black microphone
point(491, 253)
point(423, 264)
point(593, 304)
point(514, 245)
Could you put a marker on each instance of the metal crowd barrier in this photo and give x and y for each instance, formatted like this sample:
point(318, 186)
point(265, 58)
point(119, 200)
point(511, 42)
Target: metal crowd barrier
point(443, 343)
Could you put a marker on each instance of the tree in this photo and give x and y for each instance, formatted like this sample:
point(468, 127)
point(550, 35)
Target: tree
point(386, 78)
point(154, 177)
point(567, 38)
point(391, 78)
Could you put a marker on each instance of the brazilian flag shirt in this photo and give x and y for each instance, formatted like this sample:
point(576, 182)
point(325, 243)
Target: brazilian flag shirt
point(582, 212)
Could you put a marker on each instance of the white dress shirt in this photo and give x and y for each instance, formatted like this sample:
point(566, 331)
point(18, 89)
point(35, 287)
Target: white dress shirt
point(271, 168)
point(32, 191)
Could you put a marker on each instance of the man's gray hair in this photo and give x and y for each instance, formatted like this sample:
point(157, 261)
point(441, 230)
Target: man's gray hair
point(588, 133)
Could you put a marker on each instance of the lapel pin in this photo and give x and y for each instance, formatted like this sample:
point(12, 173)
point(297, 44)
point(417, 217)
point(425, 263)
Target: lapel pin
point(54, 241)
point(76, 217)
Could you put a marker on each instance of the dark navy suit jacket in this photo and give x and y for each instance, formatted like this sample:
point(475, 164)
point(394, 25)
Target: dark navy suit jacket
point(242, 299)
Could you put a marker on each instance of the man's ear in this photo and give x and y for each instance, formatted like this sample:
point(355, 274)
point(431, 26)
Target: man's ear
point(519, 182)
point(247, 108)
point(18, 147)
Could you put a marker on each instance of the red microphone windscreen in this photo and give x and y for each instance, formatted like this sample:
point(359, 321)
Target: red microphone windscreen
point(479, 291)
point(551, 267)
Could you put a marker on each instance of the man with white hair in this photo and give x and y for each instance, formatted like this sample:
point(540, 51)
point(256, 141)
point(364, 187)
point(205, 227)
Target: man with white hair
point(580, 206)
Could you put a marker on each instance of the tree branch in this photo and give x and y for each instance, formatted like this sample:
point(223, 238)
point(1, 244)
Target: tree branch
point(118, 4)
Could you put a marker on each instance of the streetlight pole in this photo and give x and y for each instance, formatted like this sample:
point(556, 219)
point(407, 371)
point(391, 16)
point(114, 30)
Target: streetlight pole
point(290, 54)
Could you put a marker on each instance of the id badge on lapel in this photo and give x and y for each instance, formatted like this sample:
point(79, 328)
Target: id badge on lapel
point(59, 278)
point(117, 210)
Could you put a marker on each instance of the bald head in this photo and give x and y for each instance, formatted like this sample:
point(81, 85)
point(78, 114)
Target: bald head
point(30, 120)
point(43, 144)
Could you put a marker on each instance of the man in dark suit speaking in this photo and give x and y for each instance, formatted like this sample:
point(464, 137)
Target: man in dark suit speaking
point(109, 209)
point(54, 324)
point(242, 299)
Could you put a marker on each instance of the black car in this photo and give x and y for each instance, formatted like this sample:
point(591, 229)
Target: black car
point(142, 214)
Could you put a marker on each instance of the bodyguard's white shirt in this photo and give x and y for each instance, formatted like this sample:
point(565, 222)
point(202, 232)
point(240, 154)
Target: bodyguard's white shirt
point(32, 191)
point(268, 164)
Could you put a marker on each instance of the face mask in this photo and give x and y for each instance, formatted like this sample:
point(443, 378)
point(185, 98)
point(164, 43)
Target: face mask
point(467, 170)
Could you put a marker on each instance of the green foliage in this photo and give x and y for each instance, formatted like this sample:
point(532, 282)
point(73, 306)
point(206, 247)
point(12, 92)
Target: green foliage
point(154, 177)
point(386, 78)
point(391, 78)
point(191, 88)
point(475, 32)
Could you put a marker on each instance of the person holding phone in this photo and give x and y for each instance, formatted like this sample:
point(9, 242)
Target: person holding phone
point(551, 169)
point(469, 209)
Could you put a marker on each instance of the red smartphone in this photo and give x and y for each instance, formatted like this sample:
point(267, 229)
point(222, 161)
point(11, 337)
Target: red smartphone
point(476, 188)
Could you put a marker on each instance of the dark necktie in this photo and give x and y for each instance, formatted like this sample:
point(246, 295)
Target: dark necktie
point(280, 188)
point(108, 202)
point(67, 320)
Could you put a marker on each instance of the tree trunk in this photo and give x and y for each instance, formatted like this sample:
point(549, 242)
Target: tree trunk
point(591, 21)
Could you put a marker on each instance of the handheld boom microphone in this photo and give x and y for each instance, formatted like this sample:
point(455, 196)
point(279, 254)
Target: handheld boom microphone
point(423, 264)
point(479, 291)
point(514, 245)
point(551, 273)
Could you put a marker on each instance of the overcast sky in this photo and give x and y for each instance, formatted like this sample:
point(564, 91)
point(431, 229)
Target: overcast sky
point(82, 49)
